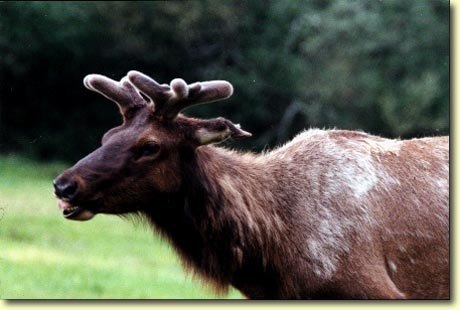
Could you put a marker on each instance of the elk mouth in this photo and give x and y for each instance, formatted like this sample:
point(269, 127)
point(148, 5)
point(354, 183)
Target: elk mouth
point(74, 212)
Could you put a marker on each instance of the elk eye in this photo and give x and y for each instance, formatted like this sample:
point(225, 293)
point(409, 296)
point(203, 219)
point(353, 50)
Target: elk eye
point(149, 149)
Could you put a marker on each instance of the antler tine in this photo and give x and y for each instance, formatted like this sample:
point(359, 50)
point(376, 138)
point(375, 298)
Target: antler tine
point(123, 93)
point(197, 93)
point(158, 94)
point(170, 100)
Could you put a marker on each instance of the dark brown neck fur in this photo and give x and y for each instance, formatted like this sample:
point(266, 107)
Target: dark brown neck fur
point(217, 223)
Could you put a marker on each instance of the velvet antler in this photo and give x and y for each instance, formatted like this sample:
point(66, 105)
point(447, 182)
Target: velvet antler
point(169, 100)
point(123, 93)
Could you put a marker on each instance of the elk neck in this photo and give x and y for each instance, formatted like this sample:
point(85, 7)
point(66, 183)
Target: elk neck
point(225, 215)
point(231, 186)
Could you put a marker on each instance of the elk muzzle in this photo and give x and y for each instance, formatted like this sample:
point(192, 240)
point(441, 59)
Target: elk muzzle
point(67, 190)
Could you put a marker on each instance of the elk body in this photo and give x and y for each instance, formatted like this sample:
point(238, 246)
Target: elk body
point(331, 214)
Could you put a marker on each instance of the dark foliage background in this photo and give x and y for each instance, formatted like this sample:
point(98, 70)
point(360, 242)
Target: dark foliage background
point(378, 66)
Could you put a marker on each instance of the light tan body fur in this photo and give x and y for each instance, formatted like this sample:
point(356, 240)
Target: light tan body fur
point(340, 213)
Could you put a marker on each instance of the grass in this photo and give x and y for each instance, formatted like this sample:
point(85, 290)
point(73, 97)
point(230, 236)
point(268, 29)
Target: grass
point(42, 255)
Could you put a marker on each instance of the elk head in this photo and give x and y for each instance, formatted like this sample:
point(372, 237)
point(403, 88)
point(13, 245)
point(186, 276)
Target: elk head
point(141, 160)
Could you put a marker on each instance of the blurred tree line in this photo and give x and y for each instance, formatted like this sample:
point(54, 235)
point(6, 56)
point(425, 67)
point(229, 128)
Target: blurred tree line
point(379, 66)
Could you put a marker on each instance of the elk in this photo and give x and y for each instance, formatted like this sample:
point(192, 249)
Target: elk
point(333, 214)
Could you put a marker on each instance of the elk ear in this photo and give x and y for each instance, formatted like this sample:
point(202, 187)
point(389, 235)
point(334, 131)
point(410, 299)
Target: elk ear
point(217, 130)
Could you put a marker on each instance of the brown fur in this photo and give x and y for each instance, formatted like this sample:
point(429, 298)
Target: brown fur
point(330, 215)
point(248, 203)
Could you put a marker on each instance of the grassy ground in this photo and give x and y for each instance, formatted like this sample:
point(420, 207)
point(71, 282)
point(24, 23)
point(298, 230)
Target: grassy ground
point(44, 256)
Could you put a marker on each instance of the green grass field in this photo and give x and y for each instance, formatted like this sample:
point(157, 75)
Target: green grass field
point(42, 255)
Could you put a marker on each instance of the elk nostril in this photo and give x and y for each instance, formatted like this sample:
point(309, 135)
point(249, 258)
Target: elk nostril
point(65, 189)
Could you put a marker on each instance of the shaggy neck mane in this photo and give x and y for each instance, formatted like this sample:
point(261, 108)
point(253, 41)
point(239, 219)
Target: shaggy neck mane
point(224, 222)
